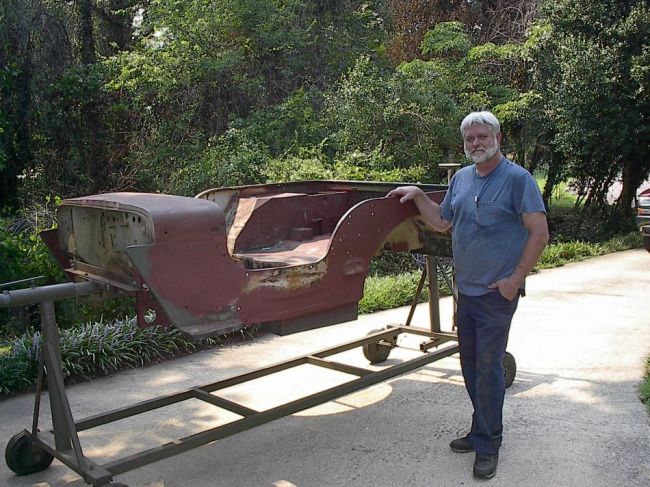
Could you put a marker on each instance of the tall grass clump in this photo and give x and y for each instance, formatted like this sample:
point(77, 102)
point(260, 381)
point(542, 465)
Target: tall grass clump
point(92, 350)
point(16, 373)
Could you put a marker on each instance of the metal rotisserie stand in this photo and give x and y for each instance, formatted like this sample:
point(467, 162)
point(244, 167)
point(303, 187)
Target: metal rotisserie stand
point(127, 244)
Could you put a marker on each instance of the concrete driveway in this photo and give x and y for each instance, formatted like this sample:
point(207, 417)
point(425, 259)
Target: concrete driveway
point(572, 416)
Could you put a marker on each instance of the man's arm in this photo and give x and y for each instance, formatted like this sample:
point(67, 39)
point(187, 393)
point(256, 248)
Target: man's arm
point(427, 208)
point(537, 227)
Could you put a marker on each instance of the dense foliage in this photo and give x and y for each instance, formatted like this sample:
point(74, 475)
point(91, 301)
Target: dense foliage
point(180, 95)
point(590, 67)
point(177, 96)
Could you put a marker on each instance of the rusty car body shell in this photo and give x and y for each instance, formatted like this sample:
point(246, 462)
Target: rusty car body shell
point(290, 255)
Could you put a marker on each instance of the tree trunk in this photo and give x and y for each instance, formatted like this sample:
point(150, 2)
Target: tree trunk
point(633, 176)
point(16, 102)
point(552, 177)
point(91, 111)
point(535, 158)
point(598, 191)
point(116, 26)
point(86, 33)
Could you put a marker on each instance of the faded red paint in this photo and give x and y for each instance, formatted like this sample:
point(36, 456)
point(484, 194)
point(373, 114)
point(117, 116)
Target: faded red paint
point(296, 249)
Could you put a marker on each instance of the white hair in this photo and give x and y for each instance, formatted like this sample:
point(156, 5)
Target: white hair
point(483, 118)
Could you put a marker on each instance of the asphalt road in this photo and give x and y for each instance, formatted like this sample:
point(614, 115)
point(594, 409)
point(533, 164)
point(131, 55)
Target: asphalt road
point(572, 416)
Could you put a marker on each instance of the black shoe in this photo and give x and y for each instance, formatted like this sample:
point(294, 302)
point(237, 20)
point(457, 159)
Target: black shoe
point(485, 466)
point(462, 445)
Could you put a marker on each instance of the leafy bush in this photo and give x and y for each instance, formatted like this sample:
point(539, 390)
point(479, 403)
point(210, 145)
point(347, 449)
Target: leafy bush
point(404, 115)
point(231, 159)
point(375, 166)
point(94, 349)
point(356, 165)
point(389, 292)
point(293, 125)
point(308, 164)
point(24, 254)
point(561, 253)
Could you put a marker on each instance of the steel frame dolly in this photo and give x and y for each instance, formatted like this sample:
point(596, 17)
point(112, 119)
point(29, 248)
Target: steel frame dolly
point(32, 450)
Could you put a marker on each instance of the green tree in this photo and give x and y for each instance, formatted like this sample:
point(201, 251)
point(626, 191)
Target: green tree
point(17, 64)
point(56, 135)
point(205, 67)
point(411, 114)
point(589, 71)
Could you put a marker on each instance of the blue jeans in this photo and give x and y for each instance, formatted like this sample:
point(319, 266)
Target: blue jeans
point(483, 326)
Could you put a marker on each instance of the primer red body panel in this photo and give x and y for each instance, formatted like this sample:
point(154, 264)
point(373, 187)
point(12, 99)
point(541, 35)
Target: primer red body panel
point(235, 257)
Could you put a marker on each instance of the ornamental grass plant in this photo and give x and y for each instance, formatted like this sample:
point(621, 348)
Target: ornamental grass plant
point(94, 349)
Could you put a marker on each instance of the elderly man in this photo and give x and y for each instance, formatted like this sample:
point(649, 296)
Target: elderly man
point(499, 230)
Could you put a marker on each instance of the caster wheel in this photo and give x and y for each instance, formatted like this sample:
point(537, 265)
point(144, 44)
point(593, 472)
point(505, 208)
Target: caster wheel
point(23, 457)
point(509, 368)
point(376, 352)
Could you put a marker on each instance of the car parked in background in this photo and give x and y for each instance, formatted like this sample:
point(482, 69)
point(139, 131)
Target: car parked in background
point(643, 216)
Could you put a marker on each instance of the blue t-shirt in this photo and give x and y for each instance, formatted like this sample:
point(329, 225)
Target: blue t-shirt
point(488, 235)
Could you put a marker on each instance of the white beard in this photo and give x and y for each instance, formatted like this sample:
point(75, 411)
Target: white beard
point(482, 157)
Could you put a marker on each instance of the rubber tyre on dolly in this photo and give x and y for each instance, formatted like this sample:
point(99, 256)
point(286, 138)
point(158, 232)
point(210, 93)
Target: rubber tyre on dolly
point(375, 352)
point(509, 368)
point(23, 457)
